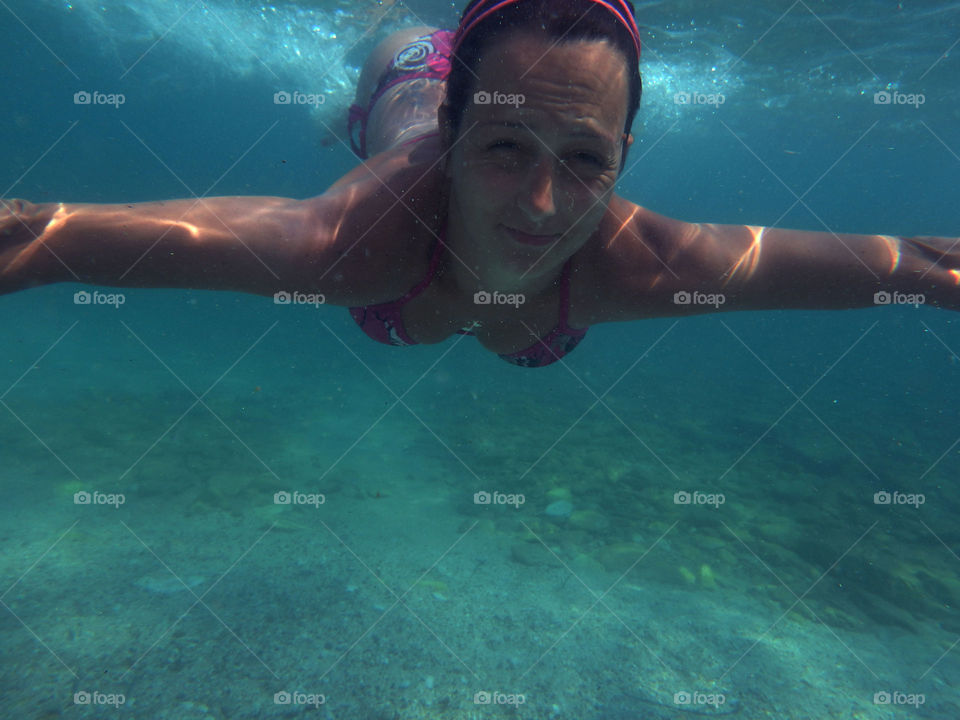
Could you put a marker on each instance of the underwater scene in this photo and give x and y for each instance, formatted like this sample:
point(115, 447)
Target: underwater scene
point(216, 506)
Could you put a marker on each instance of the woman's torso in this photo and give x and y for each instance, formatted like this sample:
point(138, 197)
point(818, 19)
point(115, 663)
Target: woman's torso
point(403, 191)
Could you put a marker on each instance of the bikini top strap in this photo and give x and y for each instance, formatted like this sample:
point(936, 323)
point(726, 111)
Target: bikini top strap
point(435, 260)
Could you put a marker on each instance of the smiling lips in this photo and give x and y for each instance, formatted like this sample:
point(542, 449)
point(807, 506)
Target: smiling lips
point(528, 239)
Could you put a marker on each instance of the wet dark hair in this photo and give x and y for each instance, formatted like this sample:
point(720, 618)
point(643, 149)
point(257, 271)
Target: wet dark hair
point(559, 20)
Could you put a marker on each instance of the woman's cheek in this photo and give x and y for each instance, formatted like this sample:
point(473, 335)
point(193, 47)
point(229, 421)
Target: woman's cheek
point(490, 182)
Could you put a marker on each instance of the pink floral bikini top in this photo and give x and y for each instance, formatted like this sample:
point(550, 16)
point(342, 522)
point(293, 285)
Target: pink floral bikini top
point(384, 322)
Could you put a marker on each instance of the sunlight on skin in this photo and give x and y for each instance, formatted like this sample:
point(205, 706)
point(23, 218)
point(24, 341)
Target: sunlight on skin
point(192, 229)
point(624, 228)
point(61, 215)
point(748, 262)
point(956, 276)
point(893, 246)
point(58, 219)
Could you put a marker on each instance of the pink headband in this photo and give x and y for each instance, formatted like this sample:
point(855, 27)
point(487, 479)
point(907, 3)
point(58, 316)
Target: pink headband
point(478, 14)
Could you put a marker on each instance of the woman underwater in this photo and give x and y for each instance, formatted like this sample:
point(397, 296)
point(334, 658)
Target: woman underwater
point(486, 208)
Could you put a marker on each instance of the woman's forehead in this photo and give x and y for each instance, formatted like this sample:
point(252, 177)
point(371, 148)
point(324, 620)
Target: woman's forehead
point(581, 78)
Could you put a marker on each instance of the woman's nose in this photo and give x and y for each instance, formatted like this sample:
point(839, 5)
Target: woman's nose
point(537, 198)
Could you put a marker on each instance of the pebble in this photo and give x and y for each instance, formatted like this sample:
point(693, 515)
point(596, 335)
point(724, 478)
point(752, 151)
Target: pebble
point(560, 509)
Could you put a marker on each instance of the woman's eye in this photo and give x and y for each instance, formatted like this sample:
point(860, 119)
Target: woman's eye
point(588, 158)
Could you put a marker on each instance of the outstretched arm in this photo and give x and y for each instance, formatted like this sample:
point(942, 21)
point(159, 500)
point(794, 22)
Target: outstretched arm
point(255, 244)
point(356, 244)
point(660, 265)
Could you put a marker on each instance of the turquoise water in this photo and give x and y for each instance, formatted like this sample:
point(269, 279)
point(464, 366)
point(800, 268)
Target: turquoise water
point(399, 596)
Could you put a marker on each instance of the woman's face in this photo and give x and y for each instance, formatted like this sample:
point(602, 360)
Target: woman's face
point(539, 150)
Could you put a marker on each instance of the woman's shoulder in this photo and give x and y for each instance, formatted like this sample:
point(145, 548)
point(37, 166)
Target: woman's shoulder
point(629, 255)
point(626, 235)
point(633, 238)
point(393, 210)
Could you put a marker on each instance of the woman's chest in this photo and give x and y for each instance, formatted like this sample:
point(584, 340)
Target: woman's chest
point(503, 323)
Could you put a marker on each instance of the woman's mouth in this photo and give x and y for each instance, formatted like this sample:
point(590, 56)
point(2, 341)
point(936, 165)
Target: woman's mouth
point(528, 239)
